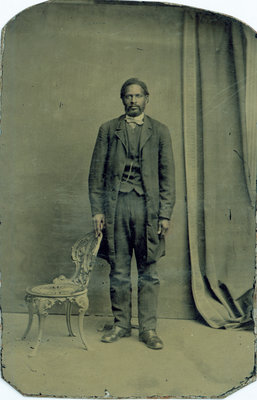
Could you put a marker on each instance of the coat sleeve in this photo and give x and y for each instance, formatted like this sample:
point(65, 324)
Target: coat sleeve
point(96, 180)
point(167, 190)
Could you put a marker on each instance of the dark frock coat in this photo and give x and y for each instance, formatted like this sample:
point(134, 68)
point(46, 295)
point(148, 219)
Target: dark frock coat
point(158, 176)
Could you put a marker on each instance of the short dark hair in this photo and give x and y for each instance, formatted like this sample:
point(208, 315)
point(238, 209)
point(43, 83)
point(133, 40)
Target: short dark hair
point(133, 81)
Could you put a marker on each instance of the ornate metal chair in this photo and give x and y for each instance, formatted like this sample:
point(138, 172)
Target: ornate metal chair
point(40, 299)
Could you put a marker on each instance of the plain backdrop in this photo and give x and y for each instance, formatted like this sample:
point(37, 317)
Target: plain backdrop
point(245, 11)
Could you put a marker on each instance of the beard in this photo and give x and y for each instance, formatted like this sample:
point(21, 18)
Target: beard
point(134, 111)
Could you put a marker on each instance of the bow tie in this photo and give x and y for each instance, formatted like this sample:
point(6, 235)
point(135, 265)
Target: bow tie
point(139, 120)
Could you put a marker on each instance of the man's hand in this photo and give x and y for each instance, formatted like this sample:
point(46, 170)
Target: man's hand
point(99, 223)
point(164, 225)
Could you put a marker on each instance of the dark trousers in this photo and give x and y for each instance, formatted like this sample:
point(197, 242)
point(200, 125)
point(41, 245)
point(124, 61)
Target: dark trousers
point(130, 234)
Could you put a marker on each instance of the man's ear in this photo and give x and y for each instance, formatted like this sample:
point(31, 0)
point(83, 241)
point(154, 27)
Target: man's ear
point(147, 98)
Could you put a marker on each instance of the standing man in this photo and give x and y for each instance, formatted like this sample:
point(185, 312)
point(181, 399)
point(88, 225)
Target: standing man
point(132, 194)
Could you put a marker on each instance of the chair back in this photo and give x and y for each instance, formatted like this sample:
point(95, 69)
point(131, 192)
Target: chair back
point(84, 255)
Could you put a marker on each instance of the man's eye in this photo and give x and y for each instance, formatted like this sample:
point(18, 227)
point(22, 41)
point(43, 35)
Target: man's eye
point(129, 97)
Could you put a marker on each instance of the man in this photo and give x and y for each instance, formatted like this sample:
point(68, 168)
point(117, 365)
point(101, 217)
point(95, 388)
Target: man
point(132, 194)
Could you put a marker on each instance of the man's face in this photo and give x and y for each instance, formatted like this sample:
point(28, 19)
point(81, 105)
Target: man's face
point(134, 100)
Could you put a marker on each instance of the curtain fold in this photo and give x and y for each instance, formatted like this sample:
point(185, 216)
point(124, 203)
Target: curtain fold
point(251, 108)
point(220, 168)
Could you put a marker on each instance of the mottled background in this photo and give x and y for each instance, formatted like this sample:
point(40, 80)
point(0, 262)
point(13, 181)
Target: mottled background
point(62, 71)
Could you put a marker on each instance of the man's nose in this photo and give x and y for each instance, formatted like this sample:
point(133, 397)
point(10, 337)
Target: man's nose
point(133, 99)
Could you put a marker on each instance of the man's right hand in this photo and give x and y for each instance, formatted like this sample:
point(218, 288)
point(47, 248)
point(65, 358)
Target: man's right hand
point(99, 223)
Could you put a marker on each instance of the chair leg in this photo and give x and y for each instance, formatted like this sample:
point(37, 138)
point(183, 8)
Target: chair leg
point(41, 305)
point(82, 302)
point(68, 315)
point(81, 329)
point(30, 320)
point(41, 322)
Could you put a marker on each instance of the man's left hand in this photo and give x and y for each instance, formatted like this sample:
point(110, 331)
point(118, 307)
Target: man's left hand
point(164, 225)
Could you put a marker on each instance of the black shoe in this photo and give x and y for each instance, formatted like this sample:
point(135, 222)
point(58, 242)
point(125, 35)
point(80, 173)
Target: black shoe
point(115, 334)
point(151, 339)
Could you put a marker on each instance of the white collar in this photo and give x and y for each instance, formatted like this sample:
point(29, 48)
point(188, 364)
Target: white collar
point(139, 120)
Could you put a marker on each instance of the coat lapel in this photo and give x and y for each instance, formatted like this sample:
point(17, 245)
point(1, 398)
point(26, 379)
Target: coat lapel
point(120, 132)
point(147, 131)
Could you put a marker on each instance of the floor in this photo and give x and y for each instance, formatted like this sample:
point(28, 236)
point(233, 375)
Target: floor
point(196, 360)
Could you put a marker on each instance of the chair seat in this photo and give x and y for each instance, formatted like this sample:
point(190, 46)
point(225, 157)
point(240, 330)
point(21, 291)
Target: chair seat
point(57, 290)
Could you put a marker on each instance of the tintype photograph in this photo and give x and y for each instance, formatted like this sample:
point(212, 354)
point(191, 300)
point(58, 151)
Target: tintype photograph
point(128, 192)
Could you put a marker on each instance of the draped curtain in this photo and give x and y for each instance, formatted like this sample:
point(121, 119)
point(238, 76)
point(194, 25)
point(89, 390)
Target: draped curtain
point(219, 129)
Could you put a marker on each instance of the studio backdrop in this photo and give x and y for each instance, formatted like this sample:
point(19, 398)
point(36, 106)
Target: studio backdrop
point(63, 65)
